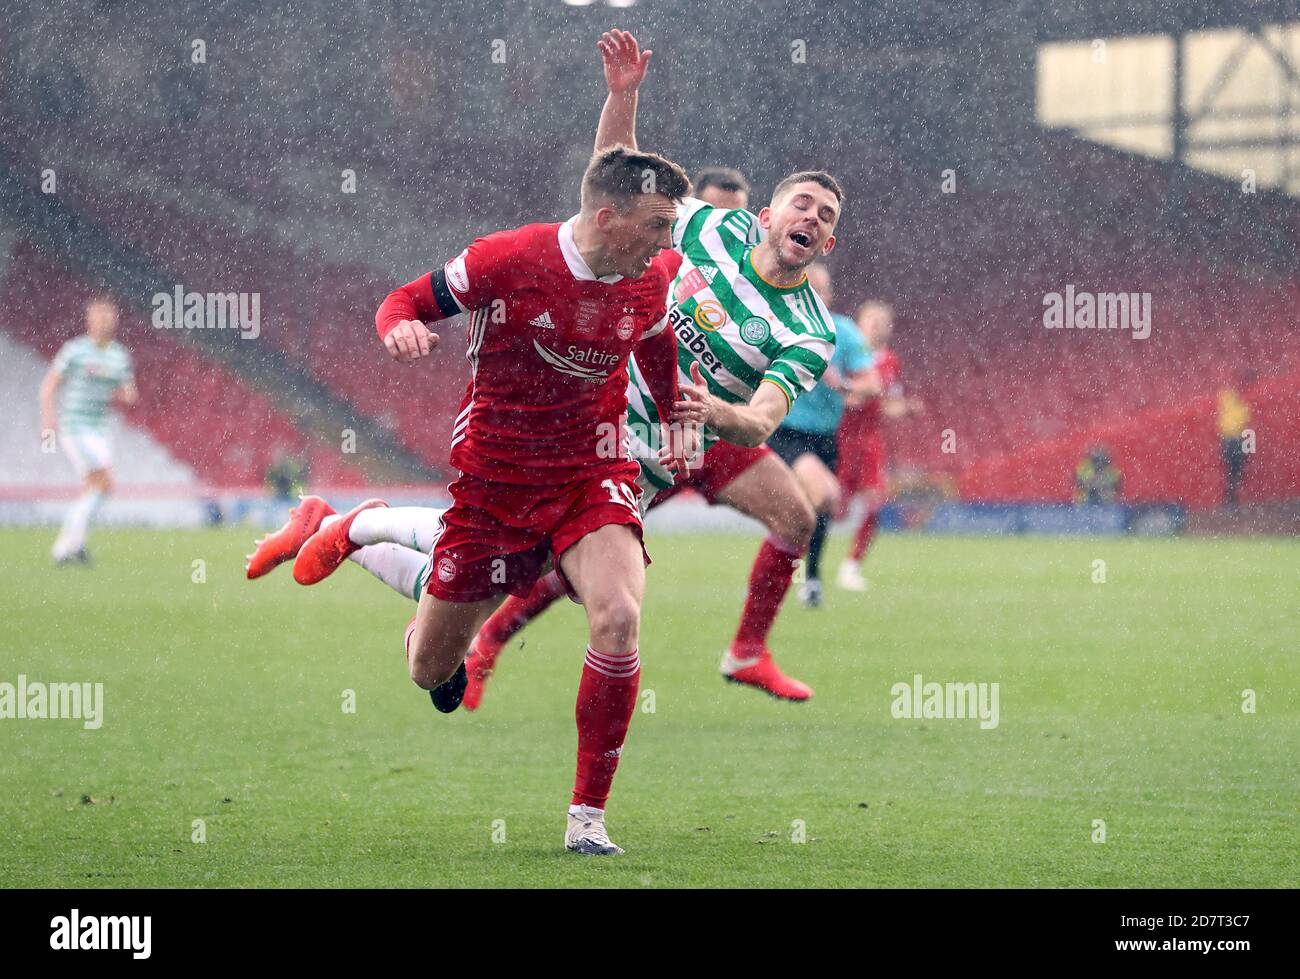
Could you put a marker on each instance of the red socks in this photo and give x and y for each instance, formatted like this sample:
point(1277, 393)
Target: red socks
point(514, 614)
point(768, 582)
point(862, 540)
point(606, 700)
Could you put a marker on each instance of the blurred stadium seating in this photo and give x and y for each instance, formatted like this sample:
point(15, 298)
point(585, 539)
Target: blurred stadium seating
point(201, 412)
point(442, 155)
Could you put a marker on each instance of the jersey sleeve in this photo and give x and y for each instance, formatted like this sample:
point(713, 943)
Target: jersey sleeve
point(128, 368)
point(470, 281)
point(63, 359)
point(800, 365)
point(695, 218)
point(656, 356)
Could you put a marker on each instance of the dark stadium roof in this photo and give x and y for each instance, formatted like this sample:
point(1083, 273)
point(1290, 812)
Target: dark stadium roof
point(1102, 18)
point(942, 22)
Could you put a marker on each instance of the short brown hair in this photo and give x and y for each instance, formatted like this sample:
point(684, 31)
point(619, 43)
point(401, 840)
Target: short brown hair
point(820, 177)
point(620, 174)
point(101, 299)
point(724, 178)
point(875, 306)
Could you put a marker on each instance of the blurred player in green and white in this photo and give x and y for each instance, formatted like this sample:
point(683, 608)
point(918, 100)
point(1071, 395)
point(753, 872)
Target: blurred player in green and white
point(89, 371)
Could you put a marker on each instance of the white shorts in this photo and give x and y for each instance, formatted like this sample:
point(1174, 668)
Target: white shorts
point(88, 451)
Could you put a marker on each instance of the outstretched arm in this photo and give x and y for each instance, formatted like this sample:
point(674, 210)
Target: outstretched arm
point(625, 65)
point(400, 320)
point(862, 387)
point(472, 280)
point(742, 424)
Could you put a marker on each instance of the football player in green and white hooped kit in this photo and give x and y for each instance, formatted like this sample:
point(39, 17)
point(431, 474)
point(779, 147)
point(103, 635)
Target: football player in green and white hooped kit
point(90, 370)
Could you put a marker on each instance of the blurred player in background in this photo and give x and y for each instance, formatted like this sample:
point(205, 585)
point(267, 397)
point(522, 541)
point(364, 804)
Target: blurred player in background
point(806, 439)
point(1097, 480)
point(861, 441)
point(1232, 418)
point(722, 187)
point(90, 371)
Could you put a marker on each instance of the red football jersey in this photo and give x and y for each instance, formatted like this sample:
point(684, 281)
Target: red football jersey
point(548, 349)
point(866, 418)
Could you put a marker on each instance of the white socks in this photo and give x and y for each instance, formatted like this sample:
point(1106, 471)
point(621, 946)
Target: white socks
point(395, 544)
point(415, 527)
point(400, 568)
point(72, 535)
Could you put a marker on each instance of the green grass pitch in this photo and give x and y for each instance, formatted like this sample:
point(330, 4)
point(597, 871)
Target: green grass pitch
point(1119, 702)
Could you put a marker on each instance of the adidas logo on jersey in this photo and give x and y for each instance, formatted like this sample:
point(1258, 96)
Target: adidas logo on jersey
point(708, 271)
point(543, 322)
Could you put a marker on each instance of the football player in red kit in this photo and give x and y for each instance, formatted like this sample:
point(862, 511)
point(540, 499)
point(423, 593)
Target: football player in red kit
point(555, 310)
point(861, 441)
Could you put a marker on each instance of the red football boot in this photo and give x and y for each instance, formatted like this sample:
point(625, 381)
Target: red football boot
point(479, 665)
point(284, 544)
point(326, 549)
point(758, 669)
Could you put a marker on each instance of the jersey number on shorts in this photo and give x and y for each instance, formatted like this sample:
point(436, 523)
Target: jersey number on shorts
point(628, 498)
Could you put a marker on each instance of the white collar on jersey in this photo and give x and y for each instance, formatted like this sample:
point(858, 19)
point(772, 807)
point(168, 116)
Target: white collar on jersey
point(573, 258)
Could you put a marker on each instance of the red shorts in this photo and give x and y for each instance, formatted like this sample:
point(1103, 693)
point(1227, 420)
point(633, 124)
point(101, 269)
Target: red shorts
point(862, 461)
point(721, 465)
point(497, 537)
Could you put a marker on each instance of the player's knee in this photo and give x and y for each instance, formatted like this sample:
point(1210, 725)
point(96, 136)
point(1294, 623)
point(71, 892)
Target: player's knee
point(428, 672)
point(429, 665)
point(796, 522)
point(615, 621)
point(833, 501)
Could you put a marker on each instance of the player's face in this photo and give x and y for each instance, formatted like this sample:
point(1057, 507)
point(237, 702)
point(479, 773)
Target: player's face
point(729, 200)
point(635, 237)
point(877, 327)
point(801, 224)
point(101, 322)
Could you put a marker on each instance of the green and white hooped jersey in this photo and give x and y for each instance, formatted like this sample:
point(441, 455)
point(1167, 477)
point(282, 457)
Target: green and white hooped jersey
point(91, 374)
point(740, 329)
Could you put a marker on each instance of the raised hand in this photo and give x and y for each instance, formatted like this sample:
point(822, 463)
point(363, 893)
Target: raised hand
point(624, 61)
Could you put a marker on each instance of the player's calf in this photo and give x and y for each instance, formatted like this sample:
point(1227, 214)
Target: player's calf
point(793, 523)
point(101, 481)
